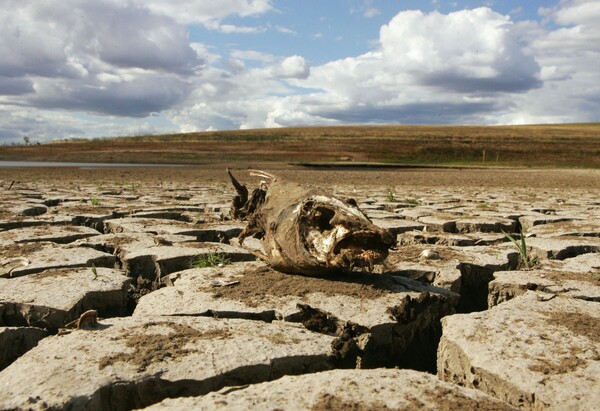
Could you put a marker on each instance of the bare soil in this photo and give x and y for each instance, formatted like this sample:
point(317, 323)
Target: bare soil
point(256, 286)
point(445, 400)
point(538, 180)
point(579, 324)
point(559, 276)
point(152, 348)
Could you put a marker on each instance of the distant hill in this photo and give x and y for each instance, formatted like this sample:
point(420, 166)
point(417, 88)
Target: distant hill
point(556, 145)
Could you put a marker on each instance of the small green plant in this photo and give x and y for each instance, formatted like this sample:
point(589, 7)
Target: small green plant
point(95, 201)
point(210, 260)
point(526, 261)
point(412, 202)
point(94, 271)
point(391, 197)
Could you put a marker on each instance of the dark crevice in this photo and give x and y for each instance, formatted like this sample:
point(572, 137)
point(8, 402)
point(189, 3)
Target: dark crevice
point(139, 287)
point(573, 251)
point(218, 236)
point(409, 340)
point(267, 316)
point(97, 223)
point(56, 240)
point(475, 280)
point(106, 303)
point(165, 215)
point(16, 342)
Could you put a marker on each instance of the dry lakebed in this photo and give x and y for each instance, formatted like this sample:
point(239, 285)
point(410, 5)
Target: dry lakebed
point(127, 289)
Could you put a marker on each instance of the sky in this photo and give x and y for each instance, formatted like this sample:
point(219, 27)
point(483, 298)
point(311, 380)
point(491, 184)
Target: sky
point(101, 68)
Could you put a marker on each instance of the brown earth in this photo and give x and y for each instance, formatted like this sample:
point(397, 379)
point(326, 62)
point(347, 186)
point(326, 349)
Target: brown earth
point(151, 348)
point(256, 286)
point(537, 180)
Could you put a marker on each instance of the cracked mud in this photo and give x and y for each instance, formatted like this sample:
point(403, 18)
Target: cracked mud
point(448, 307)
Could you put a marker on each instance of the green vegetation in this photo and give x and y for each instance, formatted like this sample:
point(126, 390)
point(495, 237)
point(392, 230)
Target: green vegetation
point(94, 271)
point(525, 260)
point(412, 202)
point(95, 201)
point(391, 197)
point(210, 260)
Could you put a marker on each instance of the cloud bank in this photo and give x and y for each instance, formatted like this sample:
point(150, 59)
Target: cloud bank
point(85, 68)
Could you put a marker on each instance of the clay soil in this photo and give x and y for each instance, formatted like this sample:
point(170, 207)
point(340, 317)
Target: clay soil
point(258, 285)
point(537, 180)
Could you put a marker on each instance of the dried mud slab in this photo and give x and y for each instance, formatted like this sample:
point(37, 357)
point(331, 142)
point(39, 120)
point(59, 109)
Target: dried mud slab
point(536, 351)
point(379, 389)
point(464, 270)
point(46, 255)
point(561, 248)
point(439, 223)
point(29, 209)
point(152, 226)
point(132, 363)
point(60, 234)
point(584, 263)
point(509, 284)
point(530, 222)
point(9, 221)
point(378, 318)
point(449, 239)
point(480, 224)
point(589, 227)
point(396, 225)
point(161, 259)
point(52, 298)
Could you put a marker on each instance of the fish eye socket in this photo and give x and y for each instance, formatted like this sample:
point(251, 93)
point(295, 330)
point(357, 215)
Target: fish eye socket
point(321, 218)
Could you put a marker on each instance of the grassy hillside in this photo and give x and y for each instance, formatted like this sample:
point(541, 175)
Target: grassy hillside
point(565, 145)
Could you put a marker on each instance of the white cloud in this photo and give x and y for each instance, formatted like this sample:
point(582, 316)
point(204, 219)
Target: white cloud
point(431, 68)
point(466, 51)
point(471, 66)
point(107, 57)
point(586, 12)
point(366, 9)
point(569, 58)
point(230, 28)
point(293, 67)
point(206, 53)
point(285, 30)
point(210, 14)
point(206, 12)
